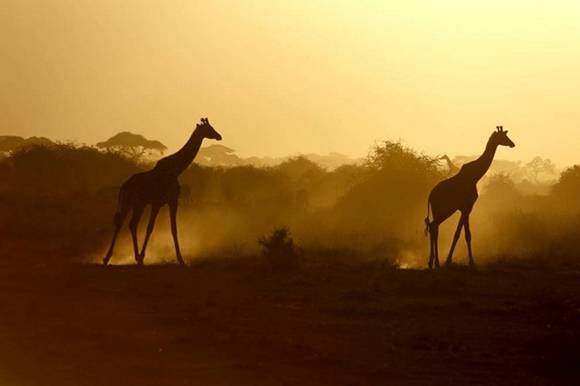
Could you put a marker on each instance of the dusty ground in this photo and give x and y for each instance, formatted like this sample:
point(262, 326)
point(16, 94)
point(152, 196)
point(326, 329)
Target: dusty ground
point(236, 323)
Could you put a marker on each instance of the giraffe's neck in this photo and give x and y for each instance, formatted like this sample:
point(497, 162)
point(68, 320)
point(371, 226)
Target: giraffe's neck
point(480, 166)
point(177, 162)
point(450, 164)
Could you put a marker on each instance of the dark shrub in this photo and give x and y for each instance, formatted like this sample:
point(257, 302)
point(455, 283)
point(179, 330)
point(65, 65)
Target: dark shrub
point(279, 249)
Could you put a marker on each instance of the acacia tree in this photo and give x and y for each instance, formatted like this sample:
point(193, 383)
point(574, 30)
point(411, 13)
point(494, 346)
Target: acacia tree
point(132, 145)
point(218, 155)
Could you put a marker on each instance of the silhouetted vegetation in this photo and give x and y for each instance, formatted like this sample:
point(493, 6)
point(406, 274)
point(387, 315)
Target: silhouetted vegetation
point(223, 156)
point(134, 146)
point(56, 201)
point(9, 143)
point(279, 249)
point(60, 198)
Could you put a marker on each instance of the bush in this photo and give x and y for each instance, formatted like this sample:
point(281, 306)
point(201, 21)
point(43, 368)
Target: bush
point(279, 249)
point(568, 186)
point(61, 198)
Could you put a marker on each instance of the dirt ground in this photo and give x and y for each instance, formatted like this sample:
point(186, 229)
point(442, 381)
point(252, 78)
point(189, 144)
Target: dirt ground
point(234, 322)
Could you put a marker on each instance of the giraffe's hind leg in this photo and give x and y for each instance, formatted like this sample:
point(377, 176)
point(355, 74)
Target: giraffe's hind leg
point(435, 233)
point(133, 225)
point(431, 250)
point(119, 219)
point(434, 253)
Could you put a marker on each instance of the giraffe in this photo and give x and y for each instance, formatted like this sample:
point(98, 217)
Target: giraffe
point(459, 193)
point(452, 168)
point(157, 187)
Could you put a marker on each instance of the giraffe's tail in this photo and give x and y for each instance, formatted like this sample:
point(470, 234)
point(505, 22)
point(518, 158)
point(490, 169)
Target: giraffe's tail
point(427, 221)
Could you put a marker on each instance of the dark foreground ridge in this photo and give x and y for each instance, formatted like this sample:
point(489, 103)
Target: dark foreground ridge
point(237, 323)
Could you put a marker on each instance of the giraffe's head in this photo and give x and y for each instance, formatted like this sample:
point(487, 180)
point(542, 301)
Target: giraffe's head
point(500, 137)
point(206, 130)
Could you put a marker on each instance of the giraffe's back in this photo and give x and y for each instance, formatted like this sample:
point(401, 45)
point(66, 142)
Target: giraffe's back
point(451, 195)
point(149, 188)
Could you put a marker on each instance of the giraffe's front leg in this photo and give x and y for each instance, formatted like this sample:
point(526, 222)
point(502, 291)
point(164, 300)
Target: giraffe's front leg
point(449, 260)
point(431, 250)
point(118, 220)
point(154, 211)
point(468, 240)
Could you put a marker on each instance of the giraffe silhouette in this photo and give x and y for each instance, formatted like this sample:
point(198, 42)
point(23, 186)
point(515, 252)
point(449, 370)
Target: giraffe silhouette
point(450, 165)
point(157, 187)
point(459, 193)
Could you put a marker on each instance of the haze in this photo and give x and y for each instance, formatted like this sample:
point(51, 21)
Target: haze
point(286, 77)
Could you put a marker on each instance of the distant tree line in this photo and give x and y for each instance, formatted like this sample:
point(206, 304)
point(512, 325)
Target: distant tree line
point(63, 195)
point(9, 143)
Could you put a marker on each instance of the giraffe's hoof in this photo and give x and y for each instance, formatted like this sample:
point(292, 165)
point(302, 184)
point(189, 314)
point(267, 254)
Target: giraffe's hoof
point(105, 261)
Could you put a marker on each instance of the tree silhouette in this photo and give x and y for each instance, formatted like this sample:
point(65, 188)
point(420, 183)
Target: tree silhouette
point(9, 143)
point(218, 155)
point(538, 167)
point(393, 156)
point(134, 146)
point(568, 187)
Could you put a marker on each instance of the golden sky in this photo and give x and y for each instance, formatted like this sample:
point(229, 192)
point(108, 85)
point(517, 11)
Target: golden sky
point(286, 77)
